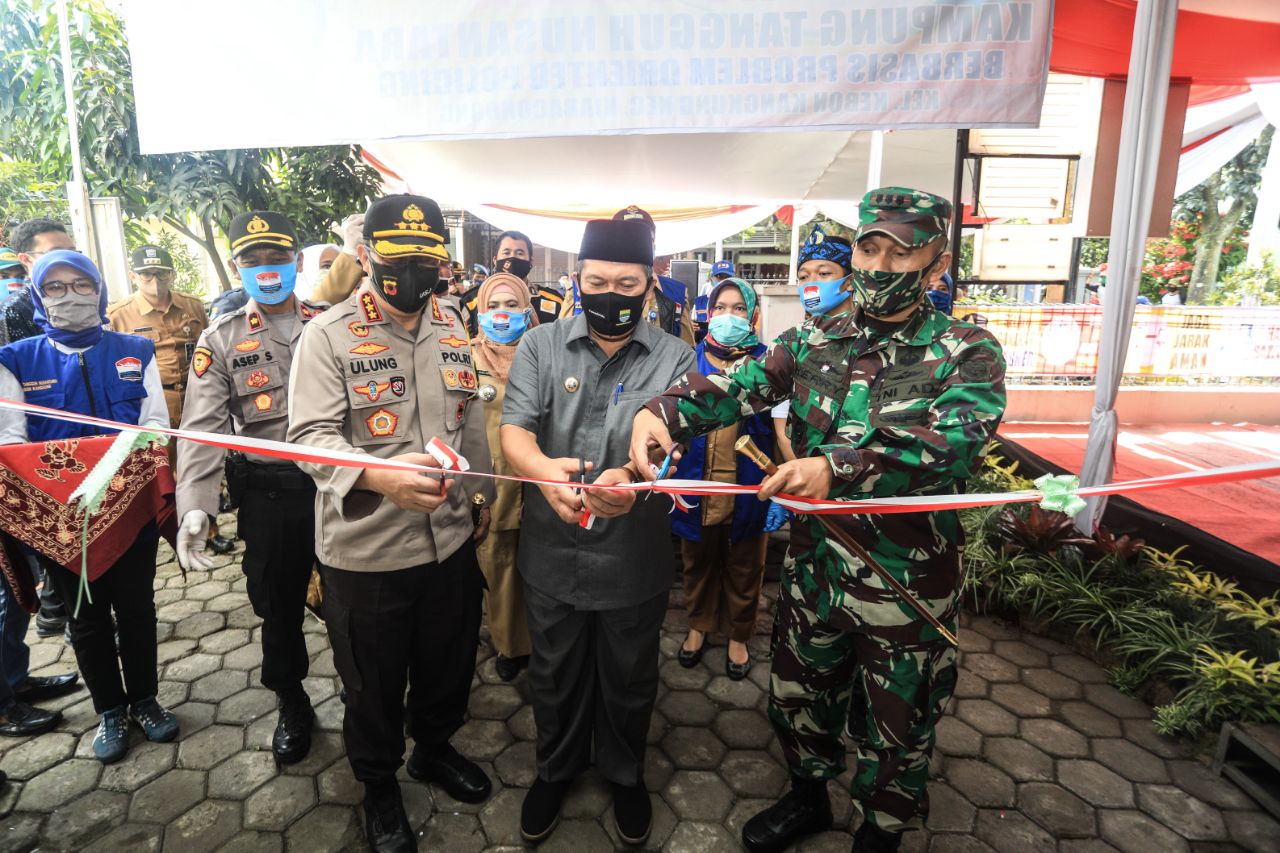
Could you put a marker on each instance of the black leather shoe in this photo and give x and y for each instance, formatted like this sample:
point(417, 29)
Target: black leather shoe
point(292, 739)
point(386, 826)
point(221, 544)
point(803, 811)
point(632, 813)
point(508, 668)
point(736, 671)
point(20, 720)
point(50, 624)
point(461, 778)
point(35, 688)
point(690, 659)
point(873, 839)
point(540, 813)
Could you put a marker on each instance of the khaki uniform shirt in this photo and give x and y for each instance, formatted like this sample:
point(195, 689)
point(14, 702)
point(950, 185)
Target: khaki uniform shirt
point(238, 384)
point(366, 385)
point(173, 331)
point(343, 278)
point(509, 501)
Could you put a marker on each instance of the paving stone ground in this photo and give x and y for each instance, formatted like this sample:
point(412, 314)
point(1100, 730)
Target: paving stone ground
point(1037, 753)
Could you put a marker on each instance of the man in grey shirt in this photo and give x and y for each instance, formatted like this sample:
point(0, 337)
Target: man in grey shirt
point(595, 597)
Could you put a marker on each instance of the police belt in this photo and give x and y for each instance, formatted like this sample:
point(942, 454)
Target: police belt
point(271, 477)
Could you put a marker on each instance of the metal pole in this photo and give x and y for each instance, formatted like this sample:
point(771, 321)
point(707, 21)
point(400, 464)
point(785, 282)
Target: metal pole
point(795, 243)
point(957, 214)
point(77, 191)
point(875, 160)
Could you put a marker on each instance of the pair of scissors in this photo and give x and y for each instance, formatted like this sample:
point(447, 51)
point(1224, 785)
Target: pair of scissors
point(662, 471)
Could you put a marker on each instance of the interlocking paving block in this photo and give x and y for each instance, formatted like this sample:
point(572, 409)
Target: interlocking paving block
point(690, 837)
point(986, 716)
point(336, 829)
point(144, 762)
point(1012, 832)
point(1191, 818)
point(1059, 811)
point(951, 843)
point(727, 693)
point(205, 749)
point(338, 785)
point(972, 641)
point(693, 748)
point(494, 701)
point(74, 825)
point(126, 838)
point(1021, 760)
point(956, 737)
point(949, 811)
point(657, 769)
point(517, 765)
point(500, 817)
point(1145, 735)
point(677, 677)
point(247, 657)
point(981, 783)
point(1045, 644)
point(1114, 702)
point(698, 795)
point(246, 706)
point(743, 729)
point(575, 836)
point(1253, 830)
point(1080, 668)
point(1202, 783)
point(241, 775)
point(521, 724)
point(279, 802)
point(254, 842)
point(1024, 655)
point(1130, 760)
point(1134, 832)
point(970, 685)
point(38, 755)
point(243, 617)
point(1094, 845)
point(178, 610)
point(172, 650)
point(1054, 737)
point(1089, 719)
point(193, 717)
point(589, 796)
point(443, 831)
point(227, 640)
point(1098, 785)
point(482, 740)
point(205, 828)
point(687, 708)
point(1051, 683)
point(326, 748)
point(835, 842)
point(329, 714)
point(991, 667)
point(754, 773)
point(996, 629)
point(1020, 699)
point(164, 798)
point(59, 785)
point(219, 685)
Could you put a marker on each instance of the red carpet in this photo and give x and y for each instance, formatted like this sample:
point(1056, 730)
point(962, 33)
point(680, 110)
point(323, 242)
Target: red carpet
point(1246, 514)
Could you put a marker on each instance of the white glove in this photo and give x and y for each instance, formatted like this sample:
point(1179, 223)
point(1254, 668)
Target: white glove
point(351, 231)
point(193, 532)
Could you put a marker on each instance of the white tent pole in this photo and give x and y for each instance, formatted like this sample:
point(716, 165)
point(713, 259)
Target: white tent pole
point(875, 160)
point(77, 191)
point(720, 249)
point(1145, 98)
point(1265, 232)
point(795, 243)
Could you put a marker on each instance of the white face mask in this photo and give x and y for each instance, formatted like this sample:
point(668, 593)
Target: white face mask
point(74, 312)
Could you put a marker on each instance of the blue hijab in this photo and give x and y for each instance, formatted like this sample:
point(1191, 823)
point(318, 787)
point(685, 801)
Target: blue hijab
point(83, 264)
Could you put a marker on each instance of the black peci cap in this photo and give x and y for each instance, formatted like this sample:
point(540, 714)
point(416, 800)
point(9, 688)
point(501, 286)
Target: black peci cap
point(626, 241)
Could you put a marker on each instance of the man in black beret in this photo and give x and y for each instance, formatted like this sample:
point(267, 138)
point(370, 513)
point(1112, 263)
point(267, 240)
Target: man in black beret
point(595, 595)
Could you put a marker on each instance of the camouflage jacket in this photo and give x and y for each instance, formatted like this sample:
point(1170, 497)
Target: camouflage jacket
point(903, 410)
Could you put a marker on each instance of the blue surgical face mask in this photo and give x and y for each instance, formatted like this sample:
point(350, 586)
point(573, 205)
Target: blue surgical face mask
point(270, 284)
point(819, 297)
point(729, 329)
point(503, 327)
point(11, 283)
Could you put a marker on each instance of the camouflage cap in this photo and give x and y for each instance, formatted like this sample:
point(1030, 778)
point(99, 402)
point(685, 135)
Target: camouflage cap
point(913, 218)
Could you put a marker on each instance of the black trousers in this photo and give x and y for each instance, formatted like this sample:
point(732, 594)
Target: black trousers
point(278, 527)
point(126, 590)
point(419, 626)
point(593, 677)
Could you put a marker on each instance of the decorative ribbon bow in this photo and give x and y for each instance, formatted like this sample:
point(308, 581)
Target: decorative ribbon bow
point(1059, 493)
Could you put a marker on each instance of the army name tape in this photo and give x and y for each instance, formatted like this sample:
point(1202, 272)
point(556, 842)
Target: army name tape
point(672, 487)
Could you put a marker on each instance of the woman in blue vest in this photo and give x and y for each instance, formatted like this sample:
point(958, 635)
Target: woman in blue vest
point(78, 366)
point(722, 537)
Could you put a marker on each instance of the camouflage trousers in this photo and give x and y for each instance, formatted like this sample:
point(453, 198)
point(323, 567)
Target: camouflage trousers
point(884, 683)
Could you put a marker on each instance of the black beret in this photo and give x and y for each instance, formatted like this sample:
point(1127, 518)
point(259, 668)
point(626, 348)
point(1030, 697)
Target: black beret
point(403, 225)
point(626, 241)
point(150, 258)
point(261, 228)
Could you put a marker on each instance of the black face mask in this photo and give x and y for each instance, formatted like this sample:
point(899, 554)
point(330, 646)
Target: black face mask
point(518, 267)
point(610, 314)
point(406, 288)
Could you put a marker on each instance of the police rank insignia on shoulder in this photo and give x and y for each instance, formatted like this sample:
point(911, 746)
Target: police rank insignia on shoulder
point(436, 314)
point(255, 321)
point(307, 311)
point(360, 330)
point(248, 345)
point(201, 359)
point(369, 307)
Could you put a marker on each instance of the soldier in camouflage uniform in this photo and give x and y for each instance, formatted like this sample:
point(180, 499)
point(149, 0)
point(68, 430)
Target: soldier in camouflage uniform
point(888, 397)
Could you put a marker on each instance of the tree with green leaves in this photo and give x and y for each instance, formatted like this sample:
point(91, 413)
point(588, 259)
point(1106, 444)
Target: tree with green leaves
point(195, 193)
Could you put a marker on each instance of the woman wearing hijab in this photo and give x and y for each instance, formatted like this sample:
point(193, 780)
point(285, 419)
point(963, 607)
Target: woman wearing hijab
point(505, 315)
point(316, 261)
point(723, 539)
point(78, 366)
